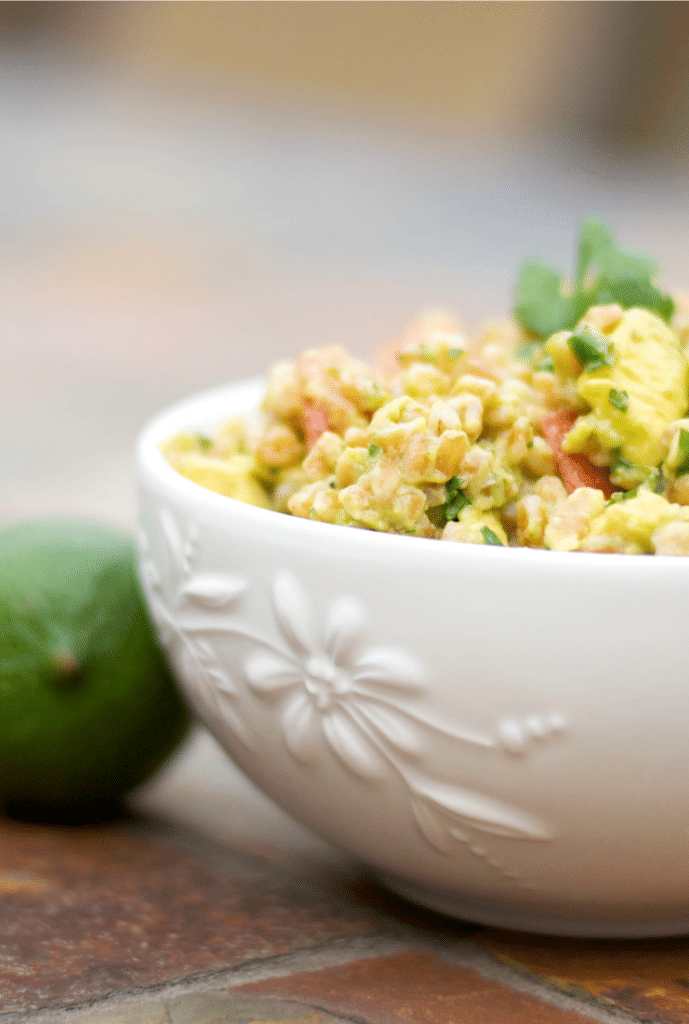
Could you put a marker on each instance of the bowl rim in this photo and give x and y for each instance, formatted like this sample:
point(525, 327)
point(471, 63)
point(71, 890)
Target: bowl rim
point(244, 394)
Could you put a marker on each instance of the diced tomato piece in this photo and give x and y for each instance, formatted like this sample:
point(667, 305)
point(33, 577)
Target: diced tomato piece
point(575, 470)
point(315, 422)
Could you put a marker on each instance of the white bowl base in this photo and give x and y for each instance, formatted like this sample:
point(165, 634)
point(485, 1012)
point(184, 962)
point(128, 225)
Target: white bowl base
point(495, 915)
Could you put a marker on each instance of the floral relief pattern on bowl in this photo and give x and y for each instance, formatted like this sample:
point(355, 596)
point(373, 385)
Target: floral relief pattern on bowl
point(336, 693)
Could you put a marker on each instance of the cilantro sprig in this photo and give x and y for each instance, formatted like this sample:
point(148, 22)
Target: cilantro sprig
point(543, 305)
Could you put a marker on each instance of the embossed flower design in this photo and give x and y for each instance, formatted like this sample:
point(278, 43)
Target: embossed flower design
point(336, 693)
point(197, 612)
point(338, 690)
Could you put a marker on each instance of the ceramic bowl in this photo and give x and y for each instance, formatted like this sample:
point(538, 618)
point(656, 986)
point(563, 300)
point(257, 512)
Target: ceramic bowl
point(501, 734)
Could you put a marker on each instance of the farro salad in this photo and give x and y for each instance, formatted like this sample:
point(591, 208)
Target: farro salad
point(564, 427)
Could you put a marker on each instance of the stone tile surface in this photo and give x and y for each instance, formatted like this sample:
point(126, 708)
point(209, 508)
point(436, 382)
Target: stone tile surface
point(86, 912)
point(208, 1008)
point(412, 988)
point(148, 1013)
point(241, 1009)
point(646, 978)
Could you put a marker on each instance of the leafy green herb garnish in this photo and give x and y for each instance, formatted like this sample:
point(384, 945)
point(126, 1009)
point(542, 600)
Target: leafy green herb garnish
point(204, 442)
point(456, 499)
point(374, 451)
point(542, 305)
point(455, 506)
point(683, 450)
point(454, 353)
point(591, 348)
point(545, 364)
point(620, 399)
point(490, 537)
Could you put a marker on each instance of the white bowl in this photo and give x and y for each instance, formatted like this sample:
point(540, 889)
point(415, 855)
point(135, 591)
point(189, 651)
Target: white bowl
point(501, 734)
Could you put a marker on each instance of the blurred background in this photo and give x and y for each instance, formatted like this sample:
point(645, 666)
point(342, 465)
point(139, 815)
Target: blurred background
point(189, 191)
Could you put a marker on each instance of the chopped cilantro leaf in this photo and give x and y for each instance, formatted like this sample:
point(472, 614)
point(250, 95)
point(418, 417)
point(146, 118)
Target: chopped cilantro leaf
point(622, 496)
point(490, 537)
point(454, 353)
point(591, 348)
point(546, 364)
point(620, 399)
point(204, 442)
point(650, 483)
point(626, 474)
point(683, 451)
point(456, 499)
point(543, 307)
point(374, 451)
point(455, 505)
point(453, 485)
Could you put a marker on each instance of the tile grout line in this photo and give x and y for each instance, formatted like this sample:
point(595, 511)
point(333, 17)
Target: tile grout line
point(477, 957)
point(464, 953)
point(328, 954)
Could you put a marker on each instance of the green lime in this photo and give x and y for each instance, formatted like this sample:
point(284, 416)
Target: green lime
point(88, 708)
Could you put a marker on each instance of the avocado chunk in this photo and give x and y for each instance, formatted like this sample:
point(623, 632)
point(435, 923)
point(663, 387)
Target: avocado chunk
point(636, 393)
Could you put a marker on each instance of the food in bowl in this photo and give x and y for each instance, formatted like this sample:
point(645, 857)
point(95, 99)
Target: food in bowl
point(499, 733)
point(563, 428)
